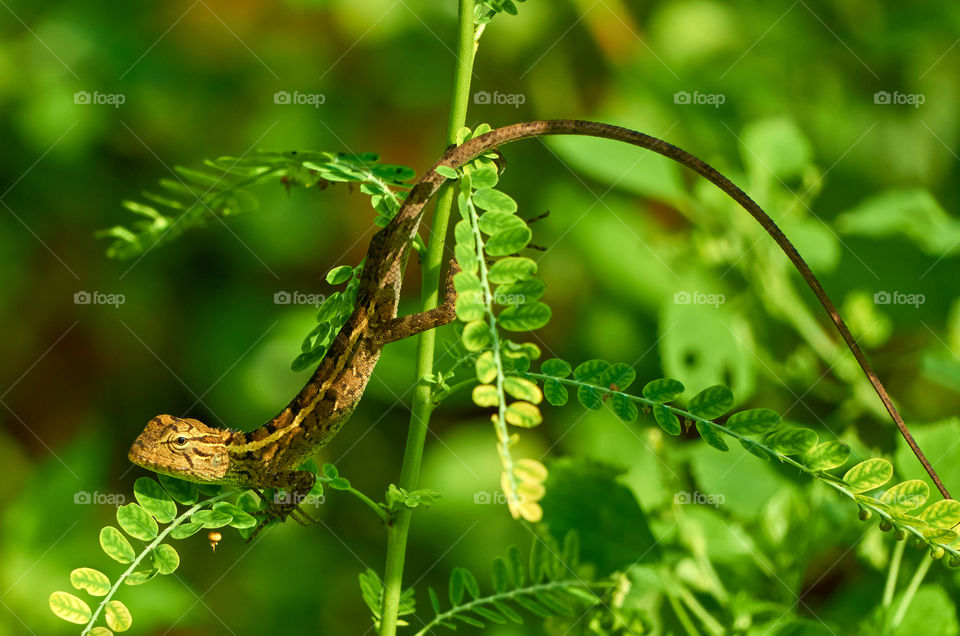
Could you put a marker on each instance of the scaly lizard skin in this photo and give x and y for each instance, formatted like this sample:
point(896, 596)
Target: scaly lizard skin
point(268, 457)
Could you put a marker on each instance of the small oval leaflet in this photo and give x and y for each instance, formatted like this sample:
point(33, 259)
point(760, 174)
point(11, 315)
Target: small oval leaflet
point(555, 392)
point(942, 514)
point(154, 499)
point(118, 616)
point(667, 419)
point(137, 522)
point(511, 269)
point(555, 367)
point(508, 242)
point(525, 317)
point(712, 402)
point(906, 496)
point(94, 582)
point(494, 200)
point(792, 441)
point(869, 474)
point(476, 335)
point(522, 389)
point(165, 558)
point(754, 421)
point(663, 390)
point(70, 608)
point(523, 414)
point(827, 455)
point(115, 545)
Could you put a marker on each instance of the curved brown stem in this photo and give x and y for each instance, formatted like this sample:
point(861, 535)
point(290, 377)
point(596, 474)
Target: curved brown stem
point(409, 216)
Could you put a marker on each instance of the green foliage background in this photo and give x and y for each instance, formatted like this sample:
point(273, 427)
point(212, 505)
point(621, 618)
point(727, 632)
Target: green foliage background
point(866, 190)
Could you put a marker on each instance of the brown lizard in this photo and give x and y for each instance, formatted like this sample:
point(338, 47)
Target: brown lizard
point(269, 456)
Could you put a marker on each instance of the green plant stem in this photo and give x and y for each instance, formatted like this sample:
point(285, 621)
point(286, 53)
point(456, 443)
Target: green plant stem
point(377, 508)
point(422, 405)
point(823, 476)
point(910, 592)
point(673, 598)
point(147, 550)
point(531, 590)
point(893, 573)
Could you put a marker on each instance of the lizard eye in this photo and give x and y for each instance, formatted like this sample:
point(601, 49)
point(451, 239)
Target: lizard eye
point(180, 441)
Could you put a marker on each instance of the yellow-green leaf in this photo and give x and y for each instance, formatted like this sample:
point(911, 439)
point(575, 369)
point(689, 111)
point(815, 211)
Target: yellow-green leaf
point(827, 455)
point(116, 545)
point(907, 496)
point(869, 474)
point(485, 395)
point(69, 608)
point(523, 414)
point(942, 514)
point(166, 559)
point(118, 616)
point(137, 522)
point(522, 389)
point(93, 581)
point(485, 367)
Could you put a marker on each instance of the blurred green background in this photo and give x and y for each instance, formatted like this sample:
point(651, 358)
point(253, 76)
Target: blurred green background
point(864, 184)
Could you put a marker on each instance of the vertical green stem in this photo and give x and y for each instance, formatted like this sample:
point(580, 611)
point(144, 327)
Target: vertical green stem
point(893, 573)
point(416, 437)
point(910, 592)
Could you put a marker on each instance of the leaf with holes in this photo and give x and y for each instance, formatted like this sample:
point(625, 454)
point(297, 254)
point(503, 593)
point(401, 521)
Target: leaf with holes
point(712, 402)
point(868, 475)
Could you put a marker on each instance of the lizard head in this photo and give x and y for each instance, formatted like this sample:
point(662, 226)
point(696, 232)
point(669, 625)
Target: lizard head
point(184, 448)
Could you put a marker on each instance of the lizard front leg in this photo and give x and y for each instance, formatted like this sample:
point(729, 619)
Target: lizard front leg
point(411, 325)
point(296, 485)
